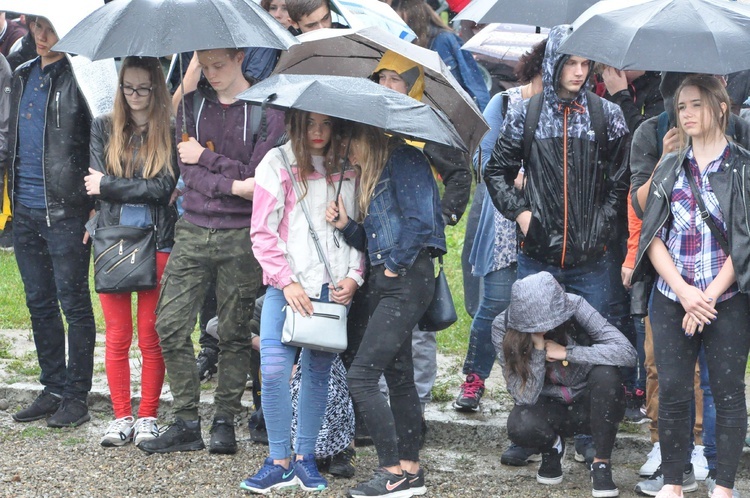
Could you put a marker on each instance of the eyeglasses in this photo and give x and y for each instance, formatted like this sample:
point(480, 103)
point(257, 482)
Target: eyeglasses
point(38, 28)
point(141, 92)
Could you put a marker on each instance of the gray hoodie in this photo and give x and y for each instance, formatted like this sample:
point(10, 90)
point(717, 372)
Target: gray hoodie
point(539, 304)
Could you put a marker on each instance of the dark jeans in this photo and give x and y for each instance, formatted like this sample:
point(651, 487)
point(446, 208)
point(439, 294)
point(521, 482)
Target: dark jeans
point(726, 342)
point(618, 309)
point(598, 411)
point(396, 304)
point(54, 267)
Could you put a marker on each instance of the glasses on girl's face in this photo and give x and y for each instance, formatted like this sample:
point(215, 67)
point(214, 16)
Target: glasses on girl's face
point(141, 92)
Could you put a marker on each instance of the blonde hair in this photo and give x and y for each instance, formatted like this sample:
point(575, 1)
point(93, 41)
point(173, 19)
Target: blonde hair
point(373, 149)
point(713, 94)
point(156, 153)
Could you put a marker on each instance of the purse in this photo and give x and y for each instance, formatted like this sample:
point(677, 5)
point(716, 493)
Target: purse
point(441, 313)
point(124, 258)
point(325, 329)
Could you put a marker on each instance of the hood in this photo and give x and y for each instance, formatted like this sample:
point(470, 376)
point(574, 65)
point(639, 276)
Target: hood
point(411, 72)
point(538, 303)
point(553, 63)
point(670, 82)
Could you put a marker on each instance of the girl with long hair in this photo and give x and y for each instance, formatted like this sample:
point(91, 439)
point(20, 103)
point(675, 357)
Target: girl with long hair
point(133, 173)
point(695, 236)
point(296, 276)
point(560, 360)
point(403, 224)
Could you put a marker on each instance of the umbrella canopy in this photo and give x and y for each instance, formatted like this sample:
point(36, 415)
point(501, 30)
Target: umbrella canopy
point(356, 53)
point(534, 12)
point(697, 36)
point(61, 14)
point(356, 99)
point(506, 42)
point(157, 28)
point(363, 13)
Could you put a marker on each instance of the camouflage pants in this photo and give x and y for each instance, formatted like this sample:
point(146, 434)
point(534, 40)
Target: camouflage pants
point(199, 255)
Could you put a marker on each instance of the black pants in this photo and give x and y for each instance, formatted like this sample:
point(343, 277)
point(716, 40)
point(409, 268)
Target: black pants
point(598, 411)
point(396, 305)
point(726, 342)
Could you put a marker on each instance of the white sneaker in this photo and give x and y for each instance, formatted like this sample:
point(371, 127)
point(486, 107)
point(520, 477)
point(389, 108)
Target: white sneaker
point(652, 462)
point(119, 432)
point(145, 429)
point(700, 464)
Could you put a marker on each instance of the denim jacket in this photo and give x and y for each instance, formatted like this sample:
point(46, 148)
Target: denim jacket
point(404, 214)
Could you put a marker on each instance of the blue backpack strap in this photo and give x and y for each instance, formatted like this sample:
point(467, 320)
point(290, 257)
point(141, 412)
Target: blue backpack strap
point(662, 127)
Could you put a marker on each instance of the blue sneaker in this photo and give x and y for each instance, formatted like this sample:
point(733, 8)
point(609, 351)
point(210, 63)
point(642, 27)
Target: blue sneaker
point(307, 474)
point(270, 477)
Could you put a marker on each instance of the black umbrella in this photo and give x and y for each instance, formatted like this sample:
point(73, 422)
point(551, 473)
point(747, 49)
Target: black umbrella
point(534, 12)
point(356, 99)
point(156, 28)
point(690, 36)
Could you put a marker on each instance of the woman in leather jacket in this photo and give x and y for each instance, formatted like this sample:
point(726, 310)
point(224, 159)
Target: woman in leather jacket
point(695, 236)
point(133, 174)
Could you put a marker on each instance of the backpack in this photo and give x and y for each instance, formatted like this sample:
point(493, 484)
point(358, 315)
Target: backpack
point(596, 114)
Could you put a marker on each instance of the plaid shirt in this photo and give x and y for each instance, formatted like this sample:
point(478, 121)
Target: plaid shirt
point(694, 250)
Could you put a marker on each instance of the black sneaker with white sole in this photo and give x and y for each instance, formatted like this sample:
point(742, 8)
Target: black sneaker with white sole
point(550, 471)
point(384, 484)
point(518, 456)
point(602, 485)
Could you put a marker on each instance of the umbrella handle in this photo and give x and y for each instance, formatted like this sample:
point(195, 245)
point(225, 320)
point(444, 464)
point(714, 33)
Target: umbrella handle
point(209, 144)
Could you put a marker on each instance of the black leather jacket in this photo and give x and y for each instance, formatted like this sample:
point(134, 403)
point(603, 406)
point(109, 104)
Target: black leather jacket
point(730, 184)
point(65, 159)
point(116, 191)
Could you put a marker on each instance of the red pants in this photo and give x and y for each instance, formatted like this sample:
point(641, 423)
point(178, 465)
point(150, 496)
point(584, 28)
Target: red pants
point(118, 319)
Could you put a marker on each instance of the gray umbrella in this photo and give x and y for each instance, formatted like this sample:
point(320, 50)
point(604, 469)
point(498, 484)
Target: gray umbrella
point(691, 36)
point(356, 99)
point(162, 27)
point(345, 52)
point(534, 12)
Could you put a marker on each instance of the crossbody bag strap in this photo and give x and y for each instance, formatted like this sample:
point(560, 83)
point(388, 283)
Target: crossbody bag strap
point(303, 204)
point(704, 214)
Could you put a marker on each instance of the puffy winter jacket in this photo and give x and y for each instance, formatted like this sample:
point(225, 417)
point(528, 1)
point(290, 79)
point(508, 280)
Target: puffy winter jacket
point(574, 195)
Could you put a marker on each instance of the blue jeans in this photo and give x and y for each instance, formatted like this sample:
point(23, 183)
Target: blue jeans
point(54, 267)
point(276, 361)
point(585, 280)
point(481, 354)
point(472, 284)
point(618, 309)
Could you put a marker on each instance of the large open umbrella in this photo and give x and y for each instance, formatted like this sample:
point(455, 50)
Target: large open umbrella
point(96, 80)
point(156, 28)
point(506, 42)
point(360, 14)
point(700, 36)
point(357, 53)
point(534, 12)
point(356, 99)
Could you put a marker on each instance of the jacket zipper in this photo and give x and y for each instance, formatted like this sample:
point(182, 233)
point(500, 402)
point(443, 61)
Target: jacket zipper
point(44, 150)
point(57, 107)
point(13, 162)
point(744, 198)
point(109, 249)
point(132, 260)
point(565, 187)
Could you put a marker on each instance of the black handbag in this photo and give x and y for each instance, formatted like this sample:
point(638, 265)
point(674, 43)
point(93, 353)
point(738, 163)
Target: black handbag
point(441, 313)
point(124, 258)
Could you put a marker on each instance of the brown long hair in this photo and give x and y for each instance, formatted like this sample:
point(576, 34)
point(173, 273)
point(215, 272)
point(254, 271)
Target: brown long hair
point(296, 123)
point(373, 149)
point(518, 346)
point(156, 152)
point(713, 94)
point(421, 18)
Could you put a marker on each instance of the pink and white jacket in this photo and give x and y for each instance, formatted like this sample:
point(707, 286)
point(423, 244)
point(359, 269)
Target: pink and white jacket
point(280, 234)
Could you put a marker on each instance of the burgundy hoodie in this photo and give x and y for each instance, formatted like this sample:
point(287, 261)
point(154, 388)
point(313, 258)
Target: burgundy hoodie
point(207, 199)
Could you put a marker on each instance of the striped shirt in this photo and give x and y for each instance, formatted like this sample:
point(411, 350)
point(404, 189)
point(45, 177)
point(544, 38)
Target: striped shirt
point(695, 252)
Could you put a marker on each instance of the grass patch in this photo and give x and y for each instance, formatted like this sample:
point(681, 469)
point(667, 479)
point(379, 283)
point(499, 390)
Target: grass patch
point(27, 365)
point(34, 432)
point(5, 347)
point(444, 391)
point(73, 441)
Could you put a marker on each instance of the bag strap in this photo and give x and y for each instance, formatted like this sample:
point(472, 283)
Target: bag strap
point(531, 123)
point(313, 233)
point(705, 215)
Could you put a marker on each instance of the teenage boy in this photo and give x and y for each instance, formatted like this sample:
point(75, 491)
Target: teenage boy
point(48, 143)
point(309, 15)
point(212, 243)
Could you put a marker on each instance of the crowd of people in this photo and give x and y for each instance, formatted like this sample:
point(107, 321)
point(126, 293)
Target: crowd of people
point(606, 249)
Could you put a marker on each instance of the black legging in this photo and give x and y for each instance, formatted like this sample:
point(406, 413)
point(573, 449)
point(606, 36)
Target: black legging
point(598, 411)
point(726, 342)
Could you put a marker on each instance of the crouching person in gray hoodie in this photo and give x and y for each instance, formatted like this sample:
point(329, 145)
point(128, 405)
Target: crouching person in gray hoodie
point(560, 360)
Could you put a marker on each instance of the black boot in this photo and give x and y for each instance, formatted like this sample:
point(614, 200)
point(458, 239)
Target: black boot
point(182, 435)
point(222, 436)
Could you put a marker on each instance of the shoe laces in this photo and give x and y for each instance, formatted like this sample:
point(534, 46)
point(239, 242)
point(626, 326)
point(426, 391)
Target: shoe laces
point(311, 469)
point(471, 387)
point(120, 426)
point(147, 424)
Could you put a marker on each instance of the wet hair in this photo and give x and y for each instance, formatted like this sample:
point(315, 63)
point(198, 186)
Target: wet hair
point(297, 9)
point(518, 346)
point(421, 18)
point(530, 64)
point(712, 94)
point(296, 125)
point(266, 4)
point(156, 153)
